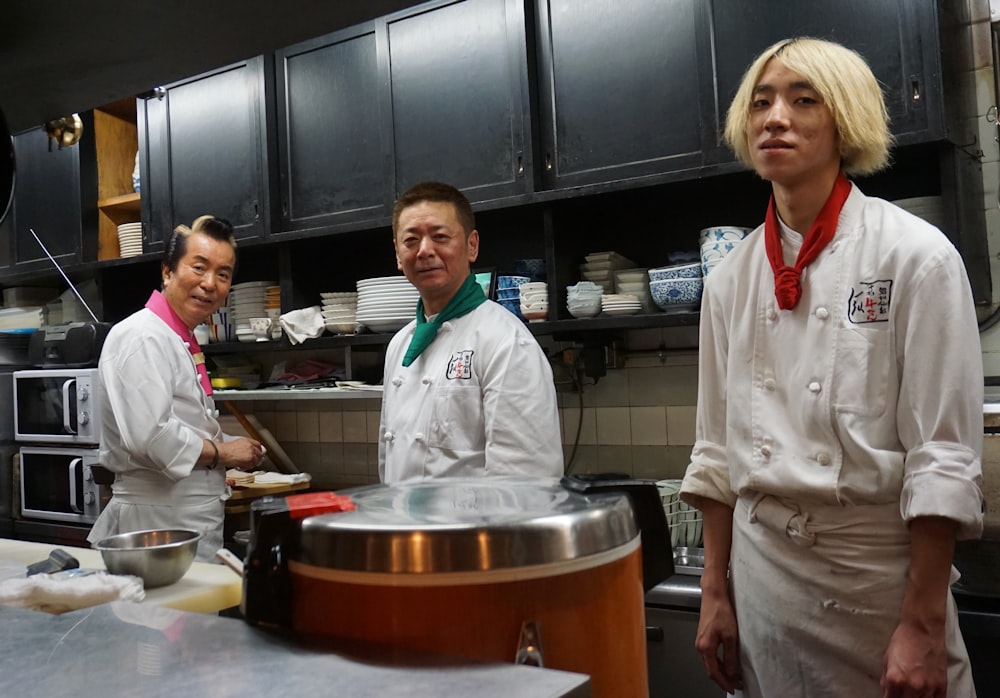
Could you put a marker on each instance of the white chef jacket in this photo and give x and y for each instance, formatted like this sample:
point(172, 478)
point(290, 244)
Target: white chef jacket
point(828, 426)
point(152, 435)
point(479, 400)
point(869, 391)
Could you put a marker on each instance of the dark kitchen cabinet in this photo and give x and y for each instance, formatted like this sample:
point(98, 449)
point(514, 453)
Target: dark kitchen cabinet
point(47, 199)
point(625, 89)
point(206, 151)
point(898, 38)
point(333, 158)
point(458, 96)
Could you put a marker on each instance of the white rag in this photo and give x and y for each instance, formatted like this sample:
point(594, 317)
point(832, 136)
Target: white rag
point(62, 592)
point(302, 324)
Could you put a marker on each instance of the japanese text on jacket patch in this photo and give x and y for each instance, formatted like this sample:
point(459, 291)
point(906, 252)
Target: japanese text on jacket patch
point(460, 365)
point(869, 302)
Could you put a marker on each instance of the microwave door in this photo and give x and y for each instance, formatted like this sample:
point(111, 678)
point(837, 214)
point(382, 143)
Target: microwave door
point(69, 405)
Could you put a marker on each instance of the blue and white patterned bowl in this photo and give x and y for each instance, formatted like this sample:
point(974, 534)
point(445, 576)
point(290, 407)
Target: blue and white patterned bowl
point(507, 294)
point(532, 267)
point(511, 281)
point(723, 233)
point(712, 251)
point(676, 271)
point(672, 292)
point(513, 305)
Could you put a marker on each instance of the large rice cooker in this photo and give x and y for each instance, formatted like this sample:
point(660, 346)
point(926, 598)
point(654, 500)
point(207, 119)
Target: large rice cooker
point(498, 569)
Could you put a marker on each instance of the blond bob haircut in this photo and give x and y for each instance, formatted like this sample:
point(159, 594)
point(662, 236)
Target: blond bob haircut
point(848, 88)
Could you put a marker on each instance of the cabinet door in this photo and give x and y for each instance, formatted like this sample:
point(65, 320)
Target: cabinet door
point(46, 200)
point(625, 88)
point(898, 38)
point(206, 141)
point(331, 152)
point(458, 96)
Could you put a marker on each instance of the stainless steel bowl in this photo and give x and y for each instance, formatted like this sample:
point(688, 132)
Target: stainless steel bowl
point(160, 557)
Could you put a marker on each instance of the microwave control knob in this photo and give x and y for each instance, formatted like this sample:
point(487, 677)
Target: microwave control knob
point(88, 498)
point(88, 474)
point(84, 394)
point(84, 418)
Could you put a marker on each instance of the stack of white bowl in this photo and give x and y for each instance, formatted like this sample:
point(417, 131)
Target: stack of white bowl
point(584, 299)
point(717, 242)
point(930, 208)
point(636, 283)
point(620, 304)
point(386, 303)
point(534, 301)
point(247, 300)
point(340, 311)
point(600, 267)
point(129, 239)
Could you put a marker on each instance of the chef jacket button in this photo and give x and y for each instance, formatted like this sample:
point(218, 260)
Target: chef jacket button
point(822, 313)
point(823, 459)
point(771, 314)
point(765, 451)
point(426, 380)
point(216, 414)
point(419, 436)
point(397, 381)
point(187, 344)
point(388, 436)
point(769, 384)
point(815, 387)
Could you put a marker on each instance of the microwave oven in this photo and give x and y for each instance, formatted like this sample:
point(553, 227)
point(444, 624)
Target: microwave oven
point(61, 484)
point(61, 406)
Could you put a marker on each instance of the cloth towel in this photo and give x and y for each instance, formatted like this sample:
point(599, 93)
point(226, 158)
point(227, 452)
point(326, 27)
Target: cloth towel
point(302, 324)
point(69, 591)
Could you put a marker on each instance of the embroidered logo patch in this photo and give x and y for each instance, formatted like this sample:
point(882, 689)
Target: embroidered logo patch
point(869, 302)
point(460, 365)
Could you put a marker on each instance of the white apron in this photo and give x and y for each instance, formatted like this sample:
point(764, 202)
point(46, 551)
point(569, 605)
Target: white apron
point(818, 592)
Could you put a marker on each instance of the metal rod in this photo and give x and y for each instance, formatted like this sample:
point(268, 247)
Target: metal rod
point(59, 269)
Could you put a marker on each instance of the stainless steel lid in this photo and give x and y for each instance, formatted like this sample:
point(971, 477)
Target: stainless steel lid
point(465, 525)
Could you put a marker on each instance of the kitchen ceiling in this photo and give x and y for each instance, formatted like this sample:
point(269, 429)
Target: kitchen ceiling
point(56, 59)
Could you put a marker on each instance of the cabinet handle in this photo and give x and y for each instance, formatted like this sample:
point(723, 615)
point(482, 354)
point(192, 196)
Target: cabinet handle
point(915, 88)
point(654, 633)
point(520, 163)
point(160, 92)
point(548, 161)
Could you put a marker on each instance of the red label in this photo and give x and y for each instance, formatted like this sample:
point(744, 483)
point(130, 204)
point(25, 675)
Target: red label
point(302, 505)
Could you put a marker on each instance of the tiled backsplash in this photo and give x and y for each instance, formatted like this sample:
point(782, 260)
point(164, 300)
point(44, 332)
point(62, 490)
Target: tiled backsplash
point(637, 420)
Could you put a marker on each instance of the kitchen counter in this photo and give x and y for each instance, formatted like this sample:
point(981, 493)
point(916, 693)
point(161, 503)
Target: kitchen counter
point(205, 588)
point(127, 649)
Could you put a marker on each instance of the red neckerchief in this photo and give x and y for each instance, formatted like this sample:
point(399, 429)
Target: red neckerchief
point(787, 284)
point(161, 308)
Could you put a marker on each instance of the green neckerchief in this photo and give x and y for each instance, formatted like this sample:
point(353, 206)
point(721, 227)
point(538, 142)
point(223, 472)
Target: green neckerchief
point(468, 298)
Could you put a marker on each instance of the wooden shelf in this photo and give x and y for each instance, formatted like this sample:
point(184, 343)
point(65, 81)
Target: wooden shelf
point(117, 140)
point(123, 203)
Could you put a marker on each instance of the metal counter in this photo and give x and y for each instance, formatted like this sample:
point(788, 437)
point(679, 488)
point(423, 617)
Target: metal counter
point(127, 649)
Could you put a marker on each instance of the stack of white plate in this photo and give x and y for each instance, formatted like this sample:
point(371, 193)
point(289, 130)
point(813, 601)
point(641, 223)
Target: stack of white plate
point(620, 304)
point(129, 239)
point(340, 311)
point(930, 208)
point(600, 267)
point(386, 303)
point(247, 300)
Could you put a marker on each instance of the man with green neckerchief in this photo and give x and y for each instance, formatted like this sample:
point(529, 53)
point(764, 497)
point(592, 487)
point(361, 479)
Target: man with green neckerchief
point(467, 390)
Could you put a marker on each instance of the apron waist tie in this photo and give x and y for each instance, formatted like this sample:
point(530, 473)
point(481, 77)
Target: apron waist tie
point(801, 522)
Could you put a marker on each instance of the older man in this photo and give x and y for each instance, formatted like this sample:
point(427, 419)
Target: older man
point(467, 389)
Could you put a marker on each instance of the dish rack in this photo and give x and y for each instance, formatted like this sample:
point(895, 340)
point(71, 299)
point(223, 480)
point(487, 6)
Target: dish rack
point(683, 521)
